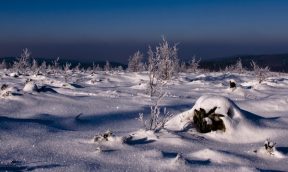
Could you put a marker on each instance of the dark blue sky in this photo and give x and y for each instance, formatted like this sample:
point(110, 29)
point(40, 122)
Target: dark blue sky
point(114, 29)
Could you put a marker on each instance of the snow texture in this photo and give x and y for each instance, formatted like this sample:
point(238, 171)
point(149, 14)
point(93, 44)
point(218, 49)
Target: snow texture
point(49, 124)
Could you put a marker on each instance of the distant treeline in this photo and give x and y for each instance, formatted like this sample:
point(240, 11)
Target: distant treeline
point(62, 62)
point(276, 62)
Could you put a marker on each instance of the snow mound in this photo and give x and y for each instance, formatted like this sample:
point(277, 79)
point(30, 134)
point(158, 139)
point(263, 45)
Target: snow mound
point(30, 87)
point(240, 126)
point(218, 157)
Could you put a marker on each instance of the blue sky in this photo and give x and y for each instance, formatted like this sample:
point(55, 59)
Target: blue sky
point(114, 29)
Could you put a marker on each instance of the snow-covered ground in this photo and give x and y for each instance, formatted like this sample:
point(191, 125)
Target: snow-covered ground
point(51, 125)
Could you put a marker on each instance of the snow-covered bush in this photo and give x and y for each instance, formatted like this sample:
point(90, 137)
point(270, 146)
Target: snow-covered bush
point(260, 73)
point(43, 67)
point(77, 68)
point(107, 66)
point(193, 65)
point(236, 68)
point(55, 66)
point(35, 67)
point(135, 62)
point(23, 63)
point(154, 79)
point(3, 65)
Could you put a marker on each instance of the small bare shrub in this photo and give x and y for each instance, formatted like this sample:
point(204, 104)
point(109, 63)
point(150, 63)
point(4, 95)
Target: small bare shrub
point(157, 118)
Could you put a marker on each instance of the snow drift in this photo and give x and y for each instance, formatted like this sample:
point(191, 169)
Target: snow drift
point(240, 125)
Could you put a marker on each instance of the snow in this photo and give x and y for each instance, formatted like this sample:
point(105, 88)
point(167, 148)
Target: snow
point(50, 124)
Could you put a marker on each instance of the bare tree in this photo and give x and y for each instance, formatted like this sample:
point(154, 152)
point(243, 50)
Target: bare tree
point(135, 62)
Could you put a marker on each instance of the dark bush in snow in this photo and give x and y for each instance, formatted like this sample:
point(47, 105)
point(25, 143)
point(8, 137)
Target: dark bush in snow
point(269, 146)
point(103, 137)
point(207, 122)
point(232, 84)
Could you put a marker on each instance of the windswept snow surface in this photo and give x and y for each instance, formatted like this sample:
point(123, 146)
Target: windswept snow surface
point(49, 124)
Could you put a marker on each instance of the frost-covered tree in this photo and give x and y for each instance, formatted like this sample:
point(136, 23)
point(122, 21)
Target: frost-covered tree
point(23, 63)
point(66, 71)
point(107, 66)
point(153, 73)
point(35, 67)
point(3, 65)
point(55, 65)
point(260, 73)
point(182, 67)
point(168, 60)
point(194, 65)
point(237, 67)
point(43, 67)
point(77, 68)
point(135, 62)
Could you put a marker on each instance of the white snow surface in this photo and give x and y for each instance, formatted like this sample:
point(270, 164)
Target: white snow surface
point(52, 129)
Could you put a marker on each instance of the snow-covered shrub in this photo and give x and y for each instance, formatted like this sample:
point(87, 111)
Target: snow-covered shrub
point(182, 67)
point(207, 122)
point(35, 67)
point(107, 66)
point(23, 63)
point(193, 65)
point(260, 73)
point(96, 68)
point(77, 68)
point(236, 68)
point(43, 67)
point(55, 66)
point(157, 118)
point(135, 62)
point(3, 65)
point(154, 79)
point(66, 71)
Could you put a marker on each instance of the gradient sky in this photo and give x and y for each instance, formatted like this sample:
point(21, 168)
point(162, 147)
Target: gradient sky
point(114, 29)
